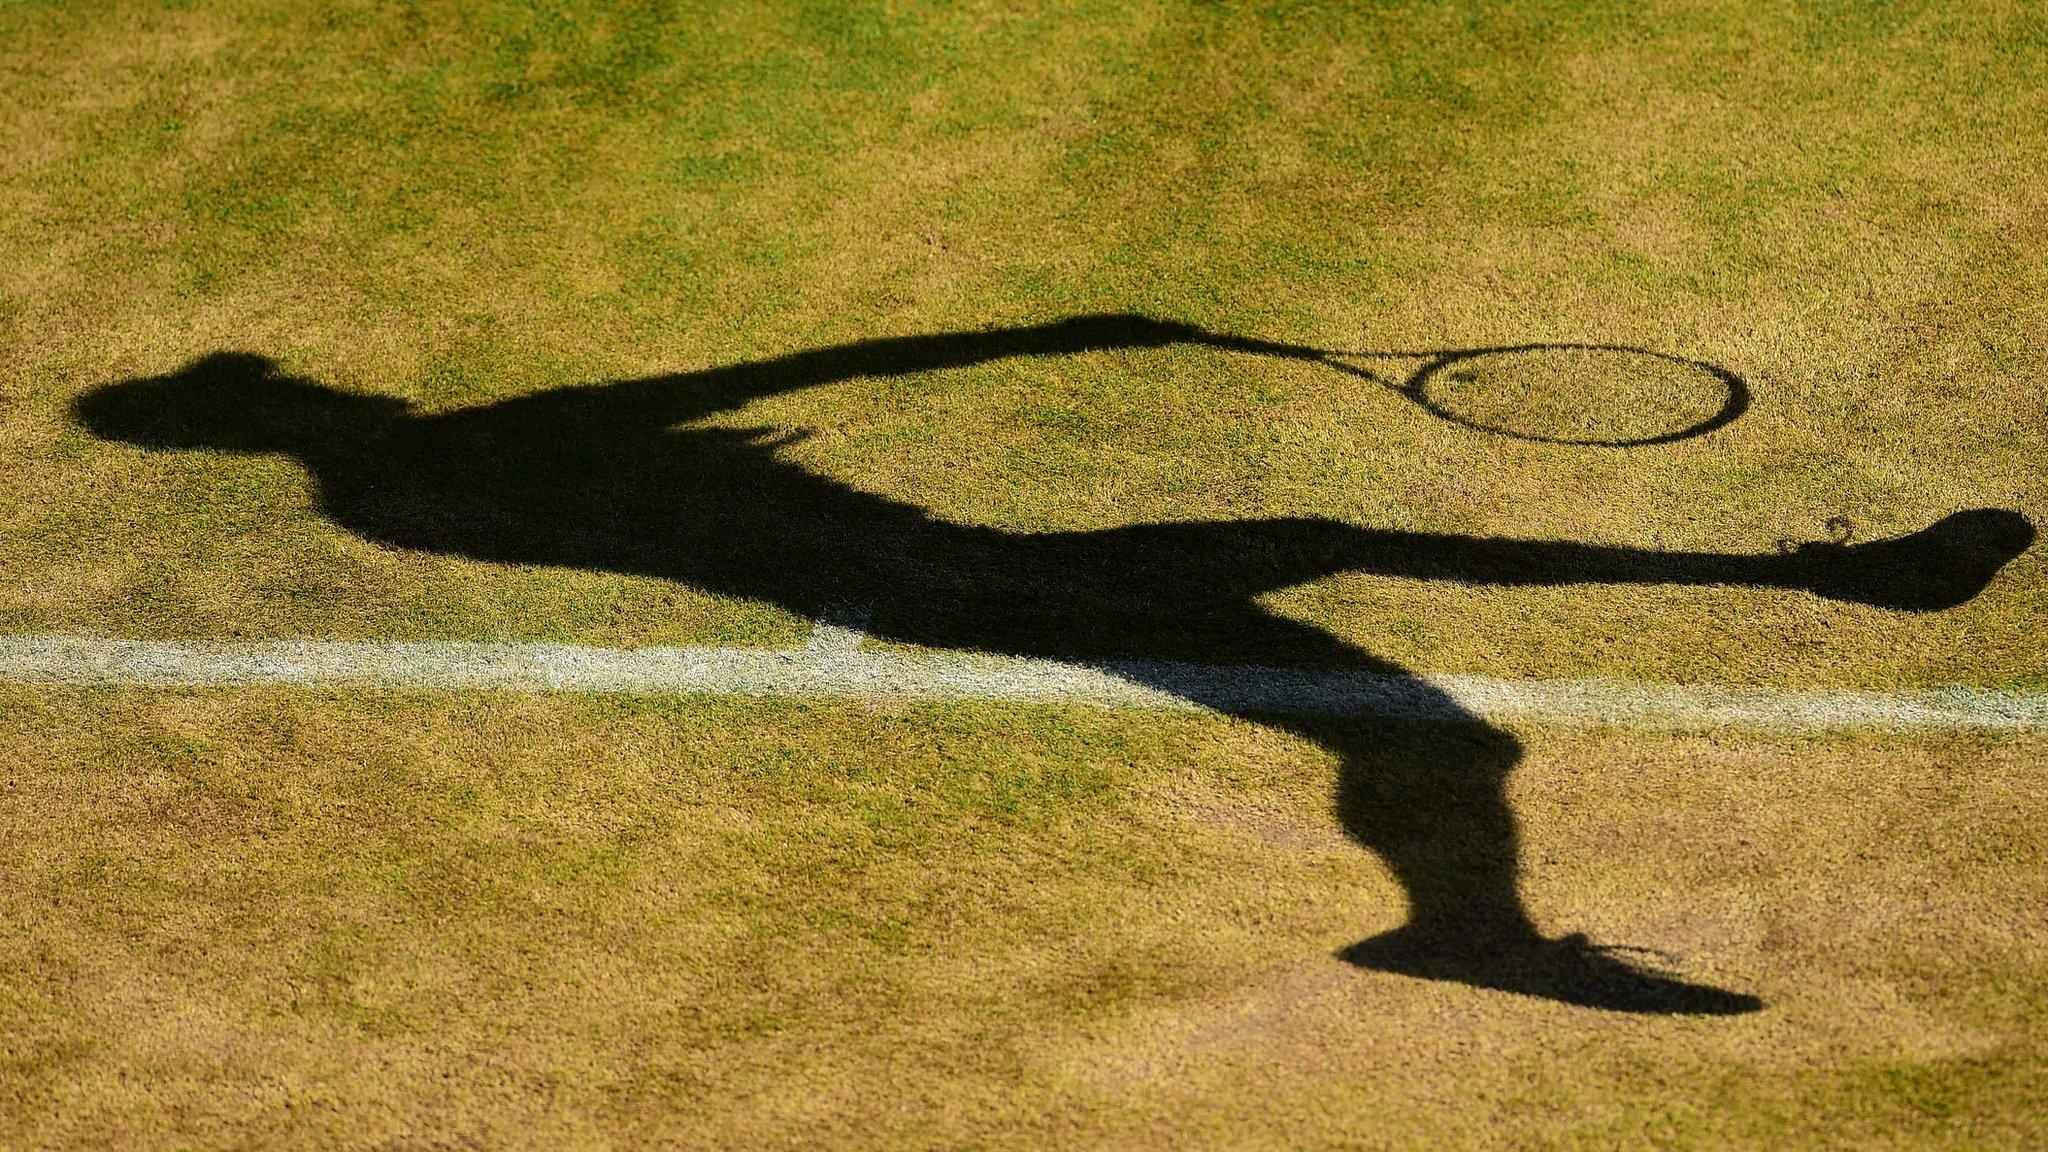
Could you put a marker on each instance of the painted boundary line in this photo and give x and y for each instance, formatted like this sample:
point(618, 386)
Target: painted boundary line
point(834, 666)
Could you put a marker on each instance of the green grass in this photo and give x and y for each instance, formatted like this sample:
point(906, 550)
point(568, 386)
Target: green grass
point(397, 920)
point(454, 207)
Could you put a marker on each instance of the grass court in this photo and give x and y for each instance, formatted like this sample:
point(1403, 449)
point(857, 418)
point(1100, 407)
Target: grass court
point(1107, 335)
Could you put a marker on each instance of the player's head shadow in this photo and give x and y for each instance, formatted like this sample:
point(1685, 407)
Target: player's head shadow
point(233, 402)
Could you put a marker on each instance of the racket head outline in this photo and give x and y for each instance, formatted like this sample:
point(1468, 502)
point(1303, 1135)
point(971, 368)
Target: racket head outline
point(1735, 401)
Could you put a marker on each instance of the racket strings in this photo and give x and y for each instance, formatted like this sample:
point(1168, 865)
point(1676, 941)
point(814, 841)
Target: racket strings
point(1441, 366)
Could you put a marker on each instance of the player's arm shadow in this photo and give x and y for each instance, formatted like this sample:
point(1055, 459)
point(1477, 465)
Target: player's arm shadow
point(661, 401)
point(598, 477)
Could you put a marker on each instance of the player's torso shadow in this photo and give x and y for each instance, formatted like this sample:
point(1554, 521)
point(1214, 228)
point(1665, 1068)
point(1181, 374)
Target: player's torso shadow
point(603, 478)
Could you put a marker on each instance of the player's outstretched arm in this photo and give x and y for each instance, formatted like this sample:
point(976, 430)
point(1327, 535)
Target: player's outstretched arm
point(1938, 567)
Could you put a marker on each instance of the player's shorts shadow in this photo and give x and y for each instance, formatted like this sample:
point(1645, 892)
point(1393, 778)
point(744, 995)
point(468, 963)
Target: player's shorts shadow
point(613, 477)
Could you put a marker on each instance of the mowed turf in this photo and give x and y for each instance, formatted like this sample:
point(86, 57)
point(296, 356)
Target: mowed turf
point(389, 919)
point(256, 918)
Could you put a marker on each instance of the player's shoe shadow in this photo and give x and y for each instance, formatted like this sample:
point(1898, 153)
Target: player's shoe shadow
point(610, 477)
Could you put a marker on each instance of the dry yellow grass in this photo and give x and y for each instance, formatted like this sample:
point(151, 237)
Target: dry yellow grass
point(264, 918)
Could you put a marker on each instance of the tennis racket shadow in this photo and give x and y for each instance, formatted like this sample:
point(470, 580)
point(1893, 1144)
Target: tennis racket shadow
point(1428, 378)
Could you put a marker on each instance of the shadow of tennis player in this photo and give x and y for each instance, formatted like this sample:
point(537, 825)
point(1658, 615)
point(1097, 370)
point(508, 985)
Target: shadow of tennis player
point(602, 477)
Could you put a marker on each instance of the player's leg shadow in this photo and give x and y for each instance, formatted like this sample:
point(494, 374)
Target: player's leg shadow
point(1429, 799)
point(1421, 783)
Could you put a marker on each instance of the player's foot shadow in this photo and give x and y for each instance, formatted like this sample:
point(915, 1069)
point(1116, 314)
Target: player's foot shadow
point(612, 477)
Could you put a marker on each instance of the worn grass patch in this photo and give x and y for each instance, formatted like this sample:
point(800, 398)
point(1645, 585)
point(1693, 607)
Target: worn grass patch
point(271, 917)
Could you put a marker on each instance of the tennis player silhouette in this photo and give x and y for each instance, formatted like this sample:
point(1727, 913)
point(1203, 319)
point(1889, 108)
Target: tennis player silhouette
point(610, 477)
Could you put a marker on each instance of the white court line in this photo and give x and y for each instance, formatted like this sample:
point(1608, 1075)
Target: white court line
point(833, 666)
